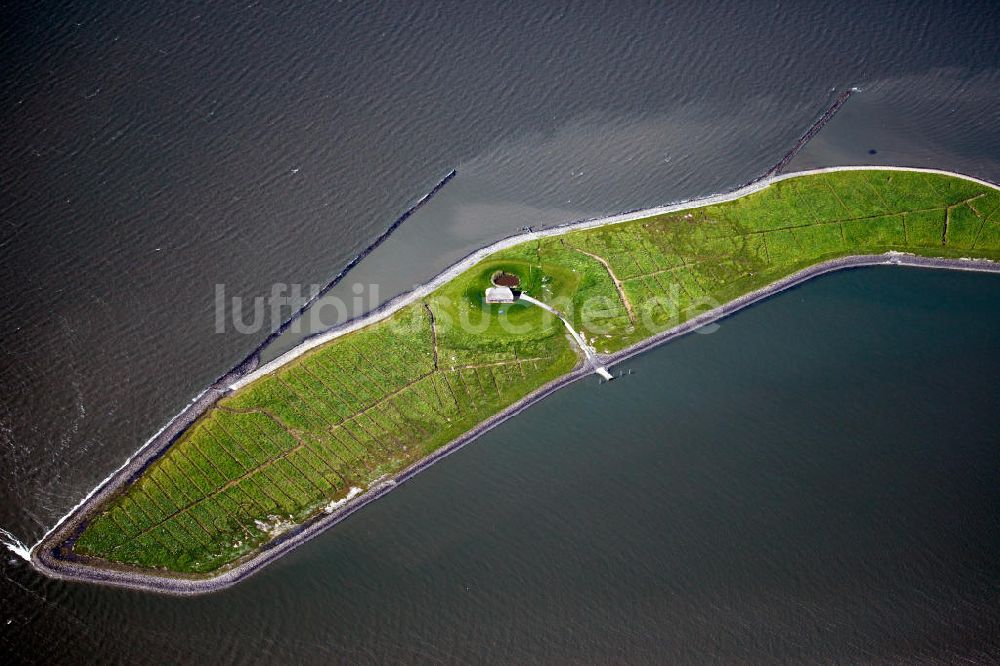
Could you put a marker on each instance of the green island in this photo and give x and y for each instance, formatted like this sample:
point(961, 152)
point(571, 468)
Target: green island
point(309, 437)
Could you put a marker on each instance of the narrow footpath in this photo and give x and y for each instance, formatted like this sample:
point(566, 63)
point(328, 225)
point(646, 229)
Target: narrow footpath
point(591, 356)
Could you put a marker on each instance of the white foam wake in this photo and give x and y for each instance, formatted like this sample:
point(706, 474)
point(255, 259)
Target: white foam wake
point(15, 545)
point(112, 474)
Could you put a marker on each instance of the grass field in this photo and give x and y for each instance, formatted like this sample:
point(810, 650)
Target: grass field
point(368, 404)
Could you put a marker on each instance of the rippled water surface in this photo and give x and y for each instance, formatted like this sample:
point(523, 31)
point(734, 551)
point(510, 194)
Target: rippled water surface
point(815, 481)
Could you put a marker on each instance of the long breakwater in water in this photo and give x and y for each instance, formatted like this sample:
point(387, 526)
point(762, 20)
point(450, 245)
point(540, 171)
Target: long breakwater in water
point(254, 355)
point(813, 130)
point(56, 561)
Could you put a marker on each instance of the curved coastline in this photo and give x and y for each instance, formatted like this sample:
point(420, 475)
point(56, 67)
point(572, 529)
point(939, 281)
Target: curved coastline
point(166, 435)
point(50, 558)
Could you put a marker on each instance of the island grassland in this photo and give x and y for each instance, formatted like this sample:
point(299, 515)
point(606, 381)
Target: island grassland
point(302, 441)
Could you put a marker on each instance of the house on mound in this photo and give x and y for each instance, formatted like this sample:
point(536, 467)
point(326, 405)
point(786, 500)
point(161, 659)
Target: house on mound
point(500, 295)
point(505, 289)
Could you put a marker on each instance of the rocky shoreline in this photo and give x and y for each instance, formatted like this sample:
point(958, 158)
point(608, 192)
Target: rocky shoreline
point(53, 556)
point(55, 564)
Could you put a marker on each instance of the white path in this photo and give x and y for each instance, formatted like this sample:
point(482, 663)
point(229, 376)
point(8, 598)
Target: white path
point(591, 356)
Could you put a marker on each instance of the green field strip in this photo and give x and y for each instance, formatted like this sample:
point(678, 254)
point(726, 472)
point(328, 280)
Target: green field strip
point(230, 446)
point(989, 236)
point(260, 449)
point(782, 247)
point(271, 444)
point(621, 260)
point(405, 422)
point(243, 509)
point(129, 528)
point(333, 397)
point(818, 211)
point(176, 492)
point(148, 498)
point(366, 420)
point(187, 454)
point(856, 196)
point(378, 375)
point(444, 382)
point(251, 488)
point(475, 384)
point(280, 497)
point(183, 477)
point(359, 433)
point(375, 409)
point(331, 480)
point(171, 496)
point(423, 392)
point(330, 459)
point(314, 395)
point(964, 227)
point(287, 406)
point(222, 461)
point(136, 511)
point(462, 392)
point(172, 535)
point(312, 417)
point(425, 400)
point(821, 239)
point(364, 391)
point(274, 478)
point(640, 260)
point(347, 448)
point(224, 517)
point(333, 375)
point(285, 476)
point(875, 233)
point(157, 503)
point(925, 228)
point(201, 515)
point(308, 480)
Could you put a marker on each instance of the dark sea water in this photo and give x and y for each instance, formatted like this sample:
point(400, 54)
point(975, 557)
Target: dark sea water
point(816, 481)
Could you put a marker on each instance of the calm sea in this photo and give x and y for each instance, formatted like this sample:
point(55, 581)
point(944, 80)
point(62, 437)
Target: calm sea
point(815, 481)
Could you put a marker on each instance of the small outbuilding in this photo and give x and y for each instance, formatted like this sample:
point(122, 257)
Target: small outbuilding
point(500, 295)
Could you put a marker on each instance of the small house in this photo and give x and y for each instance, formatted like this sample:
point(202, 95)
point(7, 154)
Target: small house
point(500, 295)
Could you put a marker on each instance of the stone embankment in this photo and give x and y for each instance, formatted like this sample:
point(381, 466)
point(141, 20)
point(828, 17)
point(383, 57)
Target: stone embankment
point(52, 556)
